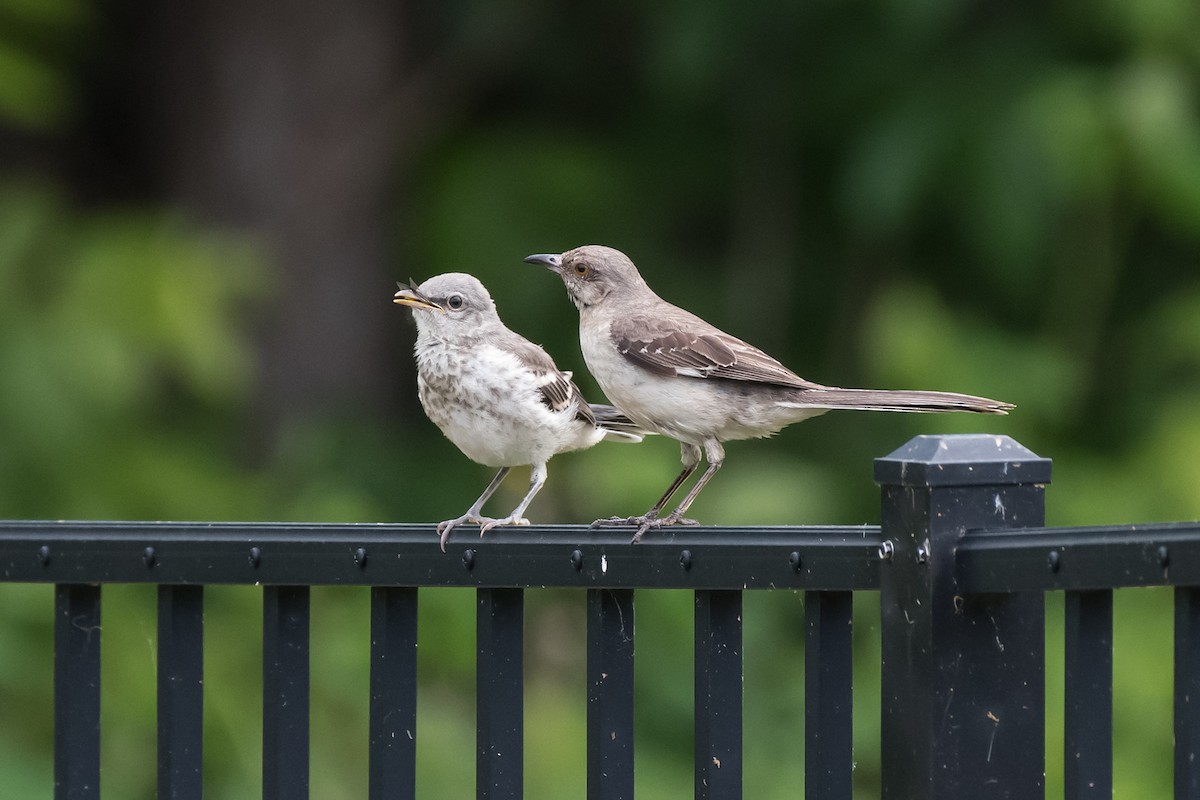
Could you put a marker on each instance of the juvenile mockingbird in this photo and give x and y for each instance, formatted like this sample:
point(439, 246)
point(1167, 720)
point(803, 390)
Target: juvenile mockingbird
point(495, 394)
point(672, 373)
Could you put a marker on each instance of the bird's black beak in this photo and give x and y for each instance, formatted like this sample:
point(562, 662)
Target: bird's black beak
point(550, 260)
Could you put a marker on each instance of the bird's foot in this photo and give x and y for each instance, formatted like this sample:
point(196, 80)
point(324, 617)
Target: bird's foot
point(509, 520)
point(620, 522)
point(645, 522)
point(649, 524)
point(444, 527)
point(677, 518)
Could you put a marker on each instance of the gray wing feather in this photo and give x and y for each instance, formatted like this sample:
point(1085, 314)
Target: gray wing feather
point(675, 342)
point(558, 391)
point(681, 344)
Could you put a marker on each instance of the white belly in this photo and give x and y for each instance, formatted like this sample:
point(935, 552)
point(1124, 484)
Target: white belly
point(485, 404)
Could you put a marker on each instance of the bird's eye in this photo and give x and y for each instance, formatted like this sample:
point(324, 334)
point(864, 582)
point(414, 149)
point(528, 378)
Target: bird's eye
point(582, 269)
point(454, 302)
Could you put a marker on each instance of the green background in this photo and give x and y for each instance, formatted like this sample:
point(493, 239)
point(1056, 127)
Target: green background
point(204, 209)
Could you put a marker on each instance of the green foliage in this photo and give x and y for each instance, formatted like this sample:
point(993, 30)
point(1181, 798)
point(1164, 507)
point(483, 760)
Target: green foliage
point(38, 91)
point(123, 360)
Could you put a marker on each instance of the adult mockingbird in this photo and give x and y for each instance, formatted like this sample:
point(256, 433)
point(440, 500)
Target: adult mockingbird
point(672, 373)
point(495, 394)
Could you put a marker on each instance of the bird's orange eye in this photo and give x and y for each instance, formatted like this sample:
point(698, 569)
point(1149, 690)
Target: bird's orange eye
point(582, 269)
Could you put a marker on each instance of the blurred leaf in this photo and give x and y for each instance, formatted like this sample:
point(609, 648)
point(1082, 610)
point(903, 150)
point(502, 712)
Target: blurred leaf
point(33, 94)
point(889, 178)
point(1160, 123)
point(914, 341)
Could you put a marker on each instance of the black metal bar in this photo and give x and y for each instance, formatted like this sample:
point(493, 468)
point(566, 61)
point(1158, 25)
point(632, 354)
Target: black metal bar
point(963, 675)
point(1087, 739)
point(180, 692)
point(610, 634)
point(500, 696)
point(1046, 559)
point(408, 555)
point(76, 692)
point(393, 737)
point(285, 692)
point(833, 558)
point(1187, 693)
point(828, 695)
point(718, 710)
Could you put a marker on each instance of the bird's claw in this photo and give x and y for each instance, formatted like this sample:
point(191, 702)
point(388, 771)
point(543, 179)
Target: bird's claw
point(652, 523)
point(492, 523)
point(485, 525)
point(444, 527)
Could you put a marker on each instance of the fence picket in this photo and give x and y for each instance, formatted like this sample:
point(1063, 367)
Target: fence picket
point(500, 694)
point(718, 743)
point(828, 695)
point(76, 692)
point(1087, 723)
point(393, 722)
point(1187, 693)
point(610, 641)
point(285, 692)
point(180, 692)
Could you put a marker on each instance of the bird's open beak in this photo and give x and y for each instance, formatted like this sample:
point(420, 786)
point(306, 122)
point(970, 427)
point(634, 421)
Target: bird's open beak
point(550, 260)
point(413, 298)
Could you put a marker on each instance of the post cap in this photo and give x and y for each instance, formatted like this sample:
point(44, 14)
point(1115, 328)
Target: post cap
point(969, 459)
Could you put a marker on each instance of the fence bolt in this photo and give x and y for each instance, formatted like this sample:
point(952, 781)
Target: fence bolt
point(577, 560)
point(886, 549)
point(1164, 556)
point(469, 559)
point(43, 555)
point(255, 557)
point(1053, 560)
point(794, 560)
point(685, 559)
point(149, 557)
point(923, 553)
point(360, 558)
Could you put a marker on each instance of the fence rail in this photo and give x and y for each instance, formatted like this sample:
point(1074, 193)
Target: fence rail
point(1110, 557)
point(961, 563)
point(566, 556)
point(182, 558)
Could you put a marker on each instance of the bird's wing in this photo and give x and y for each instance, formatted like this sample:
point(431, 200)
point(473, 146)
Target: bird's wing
point(556, 388)
point(681, 344)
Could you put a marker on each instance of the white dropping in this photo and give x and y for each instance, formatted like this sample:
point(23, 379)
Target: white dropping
point(603, 564)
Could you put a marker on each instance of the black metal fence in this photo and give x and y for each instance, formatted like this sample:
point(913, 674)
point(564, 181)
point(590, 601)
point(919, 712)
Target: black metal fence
point(960, 561)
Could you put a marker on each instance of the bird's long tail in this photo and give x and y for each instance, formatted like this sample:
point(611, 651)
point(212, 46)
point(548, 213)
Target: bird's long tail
point(896, 400)
point(616, 426)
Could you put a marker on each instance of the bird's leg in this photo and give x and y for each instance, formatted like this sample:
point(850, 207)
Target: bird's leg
point(689, 454)
point(474, 512)
point(537, 479)
point(714, 454)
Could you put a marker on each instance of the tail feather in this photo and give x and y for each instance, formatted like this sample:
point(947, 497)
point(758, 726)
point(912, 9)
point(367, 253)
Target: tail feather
point(896, 400)
point(616, 426)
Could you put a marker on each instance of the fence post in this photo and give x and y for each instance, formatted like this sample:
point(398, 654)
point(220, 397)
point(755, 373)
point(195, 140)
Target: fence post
point(963, 676)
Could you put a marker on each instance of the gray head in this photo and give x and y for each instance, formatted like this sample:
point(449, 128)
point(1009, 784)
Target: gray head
point(454, 305)
point(593, 273)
